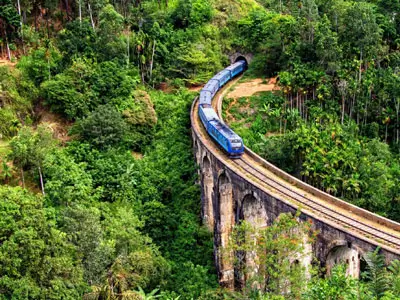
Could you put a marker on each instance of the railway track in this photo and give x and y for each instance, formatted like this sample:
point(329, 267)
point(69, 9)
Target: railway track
point(362, 224)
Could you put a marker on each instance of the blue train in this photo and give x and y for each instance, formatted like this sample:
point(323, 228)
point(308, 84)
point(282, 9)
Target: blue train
point(222, 134)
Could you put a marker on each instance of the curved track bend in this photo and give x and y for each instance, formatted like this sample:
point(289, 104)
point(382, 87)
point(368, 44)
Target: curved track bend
point(348, 218)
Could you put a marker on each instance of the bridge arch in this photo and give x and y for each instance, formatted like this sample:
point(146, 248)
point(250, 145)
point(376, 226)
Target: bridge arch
point(208, 187)
point(343, 252)
point(253, 210)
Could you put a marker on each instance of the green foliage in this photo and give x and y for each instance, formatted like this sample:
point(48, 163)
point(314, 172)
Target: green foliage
point(9, 20)
point(66, 181)
point(77, 39)
point(191, 13)
point(267, 257)
point(335, 159)
point(116, 257)
point(271, 34)
point(190, 281)
point(29, 149)
point(115, 173)
point(15, 100)
point(41, 64)
point(85, 85)
point(70, 92)
point(84, 229)
point(335, 286)
point(36, 260)
point(376, 274)
point(103, 128)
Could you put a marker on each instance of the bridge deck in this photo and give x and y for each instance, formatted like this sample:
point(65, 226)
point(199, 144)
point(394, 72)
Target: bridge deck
point(362, 224)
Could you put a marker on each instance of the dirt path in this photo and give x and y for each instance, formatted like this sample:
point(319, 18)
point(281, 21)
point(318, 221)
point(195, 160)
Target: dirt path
point(247, 89)
point(6, 62)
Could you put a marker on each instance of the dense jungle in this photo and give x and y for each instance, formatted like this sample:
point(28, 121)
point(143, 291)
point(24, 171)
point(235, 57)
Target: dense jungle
point(99, 196)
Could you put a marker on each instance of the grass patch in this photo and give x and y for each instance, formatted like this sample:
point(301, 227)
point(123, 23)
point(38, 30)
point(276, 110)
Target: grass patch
point(4, 149)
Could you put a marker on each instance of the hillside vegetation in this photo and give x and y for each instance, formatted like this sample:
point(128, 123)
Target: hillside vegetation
point(111, 210)
point(335, 121)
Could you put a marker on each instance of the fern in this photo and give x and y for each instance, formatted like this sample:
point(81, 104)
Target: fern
point(376, 273)
point(394, 277)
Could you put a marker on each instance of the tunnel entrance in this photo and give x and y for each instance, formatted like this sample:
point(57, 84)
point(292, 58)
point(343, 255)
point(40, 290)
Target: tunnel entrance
point(241, 57)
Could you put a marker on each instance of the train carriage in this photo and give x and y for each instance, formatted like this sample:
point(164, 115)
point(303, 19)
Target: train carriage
point(207, 114)
point(236, 68)
point(209, 91)
point(223, 77)
point(205, 97)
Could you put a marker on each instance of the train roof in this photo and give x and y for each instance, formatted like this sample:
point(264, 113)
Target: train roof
point(225, 130)
point(220, 74)
point(210, 113)
point(235, 65)
point(210, 84)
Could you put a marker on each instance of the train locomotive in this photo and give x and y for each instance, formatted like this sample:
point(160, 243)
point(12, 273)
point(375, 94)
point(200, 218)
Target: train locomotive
point(225, 137)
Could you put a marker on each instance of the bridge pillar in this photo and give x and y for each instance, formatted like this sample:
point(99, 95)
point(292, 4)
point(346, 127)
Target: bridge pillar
point(254, 211)
point(224, 229)
point(207, 191)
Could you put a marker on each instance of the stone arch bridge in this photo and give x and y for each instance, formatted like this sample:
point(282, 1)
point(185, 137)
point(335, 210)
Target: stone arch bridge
point(252, 189)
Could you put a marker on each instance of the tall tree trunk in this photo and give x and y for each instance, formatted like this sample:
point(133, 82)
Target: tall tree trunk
point(41, 180)
point(8, 50)
point(21, 23)
point(361, 58)
point(48, 65)
point(80, 11)
point(47, 26)
point(7, 44)
point(36, 16)
point(23, 177)
point(128, 49)
point(152, 58)
point(386, 132)
point(91, 15)
point(66, 8)
point(397, 119)
point(342, 109)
